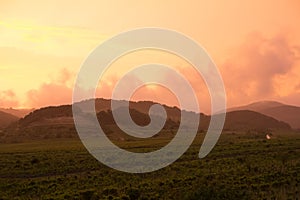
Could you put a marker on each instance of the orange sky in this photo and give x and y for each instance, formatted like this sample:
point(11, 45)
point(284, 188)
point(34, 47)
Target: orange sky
point(255, 44)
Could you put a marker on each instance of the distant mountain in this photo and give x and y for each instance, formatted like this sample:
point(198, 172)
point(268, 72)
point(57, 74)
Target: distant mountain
point(250, 120)
point(257, 106)
point(17, 112)
point(282, 112)
point(6, 119)
point(57, 121)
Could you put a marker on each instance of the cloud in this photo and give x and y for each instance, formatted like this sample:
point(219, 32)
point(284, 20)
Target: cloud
point(8, 99)
point(292, 98)
point(251, 71)
point(64, 76)
point(161, 94)
point(49, 94)
point(56, 92)
point(260, 68)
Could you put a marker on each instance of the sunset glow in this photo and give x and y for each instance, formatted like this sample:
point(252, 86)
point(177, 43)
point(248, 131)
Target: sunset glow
point(255, 44)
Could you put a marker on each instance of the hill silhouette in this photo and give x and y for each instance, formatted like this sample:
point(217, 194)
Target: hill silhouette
point(17, 112)
point(141, 119)
point(44, 115)
point(57, 121)
point(6, 119)
point(141, 106)
point(282, 112)
point(250, 120)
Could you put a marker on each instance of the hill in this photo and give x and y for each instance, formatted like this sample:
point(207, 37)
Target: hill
point(6, 119)
point(250, 120)
point(57, 121)
point(17, 112)
point(44, 123)
point(141, 106)
point(282, 112)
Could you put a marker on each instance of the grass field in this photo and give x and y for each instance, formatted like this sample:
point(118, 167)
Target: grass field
point(241, 166)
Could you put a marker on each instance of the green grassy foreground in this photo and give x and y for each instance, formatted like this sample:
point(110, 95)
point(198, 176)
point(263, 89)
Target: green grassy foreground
point(241, 166)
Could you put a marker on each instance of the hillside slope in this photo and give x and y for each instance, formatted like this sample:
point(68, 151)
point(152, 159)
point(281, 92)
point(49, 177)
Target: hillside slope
point(17, 112)
point(282, 112)
point(250, 120)
point(6, 119)
point(57, 122)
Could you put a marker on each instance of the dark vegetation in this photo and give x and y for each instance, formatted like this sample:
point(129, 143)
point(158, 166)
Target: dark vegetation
point(241, 166)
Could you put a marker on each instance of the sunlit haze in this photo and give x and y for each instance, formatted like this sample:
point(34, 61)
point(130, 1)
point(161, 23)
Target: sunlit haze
point(255, 45)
